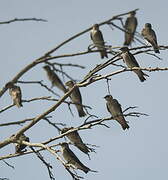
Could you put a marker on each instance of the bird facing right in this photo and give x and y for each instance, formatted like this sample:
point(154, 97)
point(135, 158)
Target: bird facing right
point(72, 159)
point(75, 138)
point(55, 80)
point(115, 110)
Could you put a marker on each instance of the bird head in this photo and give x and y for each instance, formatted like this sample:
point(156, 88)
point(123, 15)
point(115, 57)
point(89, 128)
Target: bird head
point(9, 85)
point(69, 84)
point(148, 25)
point(64, 145)
point(132, 13)
point(107, 97)
point(46, 67)
point(65, 129)
point(124, 49)
point(95, 26)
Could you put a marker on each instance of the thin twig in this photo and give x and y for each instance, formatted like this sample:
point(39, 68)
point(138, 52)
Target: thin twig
point(22, 19)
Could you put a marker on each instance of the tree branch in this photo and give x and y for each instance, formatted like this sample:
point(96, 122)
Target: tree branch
point(22, 19)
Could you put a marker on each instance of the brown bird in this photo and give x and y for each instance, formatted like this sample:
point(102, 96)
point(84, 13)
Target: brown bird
point(149, 34)
point(19, 146)
point(76, 98)
point(131, 62)
point(15, 93)
point(75, 138)
point(98, 40)
point(55, 80)
point(115, 110)
point(72, 159)
point(130, 27)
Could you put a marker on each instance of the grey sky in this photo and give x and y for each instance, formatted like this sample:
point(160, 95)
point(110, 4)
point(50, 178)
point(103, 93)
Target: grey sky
point(139, 153)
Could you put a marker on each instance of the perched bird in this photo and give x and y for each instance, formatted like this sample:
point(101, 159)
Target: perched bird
point(15, 93)
point(97, 38)
point(55, 80)
point(131, 62)
point(72, 160)
point(149, 34)
point(130, 27)
point(19, 146)
point(76, 98)
point(76, 140)
point(115, 110)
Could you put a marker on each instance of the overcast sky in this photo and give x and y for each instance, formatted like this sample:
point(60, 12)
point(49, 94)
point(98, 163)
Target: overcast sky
point(138, 153)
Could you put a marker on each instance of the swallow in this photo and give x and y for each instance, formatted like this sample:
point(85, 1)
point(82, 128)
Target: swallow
point(76, 98)
point(131, 62)
point(149, 34)
point(130, 28)
point(75, 138)
point(15, 93)
point(19, 147)
point(72, 159)
point(98, 40)
point(55, 80)
point(115, 110)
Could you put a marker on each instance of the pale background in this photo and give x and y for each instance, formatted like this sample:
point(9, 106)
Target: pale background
point(139, 153)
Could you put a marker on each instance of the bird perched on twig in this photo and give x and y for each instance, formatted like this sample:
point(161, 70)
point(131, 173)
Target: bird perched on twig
point(76, 98)
point(15, 93)
point(149, 34)
point(130, 27)
point(72, 159)
point(19, 147)
point(98, 40)
point(55, 80)
point(131, 62)
point(75, 138)
point(115, 110)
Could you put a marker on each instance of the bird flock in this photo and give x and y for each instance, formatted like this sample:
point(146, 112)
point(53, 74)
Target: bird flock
point(113, 106)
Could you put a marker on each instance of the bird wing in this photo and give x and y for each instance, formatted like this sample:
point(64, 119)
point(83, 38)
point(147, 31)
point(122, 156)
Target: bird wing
point(97, 37)
point(133, 59)
point(131, 24)
point(77, 95)
point(74, 159)
point(118, 105)
point(154, 36)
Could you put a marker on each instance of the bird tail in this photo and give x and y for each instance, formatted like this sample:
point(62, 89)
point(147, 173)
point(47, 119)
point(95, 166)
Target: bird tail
point(123, 122)
point(125, 126)
point(156, 50)
point(93, 171)
point(103, 54)
point(128, 39)
point(81, 112)
point(86, 170)
point(141, 75)
point(142, 78)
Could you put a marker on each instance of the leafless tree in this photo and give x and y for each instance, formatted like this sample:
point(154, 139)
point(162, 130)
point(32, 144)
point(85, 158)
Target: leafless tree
point(53, 145)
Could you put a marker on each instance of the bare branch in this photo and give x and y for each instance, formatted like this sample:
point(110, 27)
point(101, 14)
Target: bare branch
point(49, 167)
point(69, 65)
point(41, 84)
point(22, 19)
point(37, 119)
point(20, 122)
point(8, 164)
